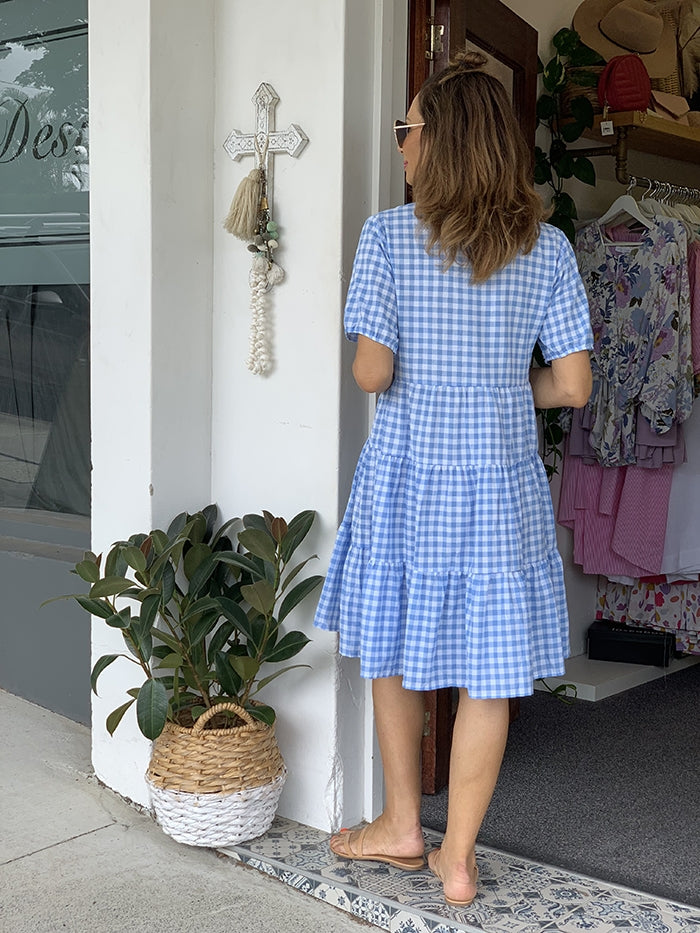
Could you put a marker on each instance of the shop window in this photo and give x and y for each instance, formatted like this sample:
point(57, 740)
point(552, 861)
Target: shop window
point(44, 258)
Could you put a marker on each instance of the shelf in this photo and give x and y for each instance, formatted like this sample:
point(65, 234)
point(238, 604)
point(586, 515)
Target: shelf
point(647, 132)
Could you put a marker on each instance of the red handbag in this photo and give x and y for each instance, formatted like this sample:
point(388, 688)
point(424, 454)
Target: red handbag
point(624, 84)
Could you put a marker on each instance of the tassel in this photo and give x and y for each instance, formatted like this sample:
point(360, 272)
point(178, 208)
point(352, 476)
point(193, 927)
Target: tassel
point(241, 220)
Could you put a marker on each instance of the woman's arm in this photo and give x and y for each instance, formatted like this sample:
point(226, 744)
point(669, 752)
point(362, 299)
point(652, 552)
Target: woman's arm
point(567, 382)
point(373, 368)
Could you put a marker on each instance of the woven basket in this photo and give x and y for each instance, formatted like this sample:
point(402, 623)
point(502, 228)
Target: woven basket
point(571, 89)
point(216, 787)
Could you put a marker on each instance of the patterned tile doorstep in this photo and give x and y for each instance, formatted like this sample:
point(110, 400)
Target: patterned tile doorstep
point(515, 895)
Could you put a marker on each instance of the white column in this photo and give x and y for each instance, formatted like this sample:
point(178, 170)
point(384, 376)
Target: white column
point(151, 107)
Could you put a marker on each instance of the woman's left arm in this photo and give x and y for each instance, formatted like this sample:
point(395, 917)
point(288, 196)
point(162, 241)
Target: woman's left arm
point(373, 367)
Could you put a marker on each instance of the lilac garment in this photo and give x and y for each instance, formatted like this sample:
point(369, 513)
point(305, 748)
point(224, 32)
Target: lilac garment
point(694, 281)
point(638, 297)
point(650, 449)
point(617, 514)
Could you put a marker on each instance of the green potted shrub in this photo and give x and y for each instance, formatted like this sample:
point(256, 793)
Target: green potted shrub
point(201, 619)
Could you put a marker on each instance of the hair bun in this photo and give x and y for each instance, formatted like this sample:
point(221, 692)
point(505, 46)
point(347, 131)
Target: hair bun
point(467, 60)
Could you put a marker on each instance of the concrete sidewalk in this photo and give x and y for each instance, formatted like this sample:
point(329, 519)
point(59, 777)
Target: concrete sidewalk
point(76, 857)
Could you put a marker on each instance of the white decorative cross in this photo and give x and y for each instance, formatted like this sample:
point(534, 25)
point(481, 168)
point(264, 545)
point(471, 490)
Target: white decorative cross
point(266, 141)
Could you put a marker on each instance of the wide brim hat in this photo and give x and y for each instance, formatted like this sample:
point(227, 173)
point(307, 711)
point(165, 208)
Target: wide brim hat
point(619, 27)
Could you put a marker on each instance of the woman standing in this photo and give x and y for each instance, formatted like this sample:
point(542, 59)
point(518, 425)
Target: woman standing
point(445, 571)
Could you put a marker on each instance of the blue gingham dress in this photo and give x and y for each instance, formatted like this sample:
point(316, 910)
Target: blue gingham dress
point(445, 568)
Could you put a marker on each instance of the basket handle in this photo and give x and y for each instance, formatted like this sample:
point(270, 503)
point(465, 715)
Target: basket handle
point(220, 708)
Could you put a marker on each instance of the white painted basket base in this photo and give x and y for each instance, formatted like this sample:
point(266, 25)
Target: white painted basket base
point(217, 819)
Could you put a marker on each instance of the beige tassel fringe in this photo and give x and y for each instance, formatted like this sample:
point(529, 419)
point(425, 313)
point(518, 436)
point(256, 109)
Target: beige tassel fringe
point(242, 217)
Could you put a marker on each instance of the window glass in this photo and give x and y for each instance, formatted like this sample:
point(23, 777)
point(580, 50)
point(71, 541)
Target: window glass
point(44, 257)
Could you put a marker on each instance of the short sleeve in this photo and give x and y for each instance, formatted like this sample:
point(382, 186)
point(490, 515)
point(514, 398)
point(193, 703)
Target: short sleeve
point(567, 325)
point(370, 308)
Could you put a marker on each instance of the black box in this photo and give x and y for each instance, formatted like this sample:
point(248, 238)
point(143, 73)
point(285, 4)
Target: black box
point(612, 641)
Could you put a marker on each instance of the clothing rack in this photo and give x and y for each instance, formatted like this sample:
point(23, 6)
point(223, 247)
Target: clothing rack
point(665, 191)
point(683, 193)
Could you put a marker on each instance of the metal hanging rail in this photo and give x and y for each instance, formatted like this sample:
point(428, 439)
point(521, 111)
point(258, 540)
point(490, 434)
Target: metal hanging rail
point(619, 150)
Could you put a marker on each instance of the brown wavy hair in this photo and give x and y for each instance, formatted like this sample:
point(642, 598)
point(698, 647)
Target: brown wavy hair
point(472, 188)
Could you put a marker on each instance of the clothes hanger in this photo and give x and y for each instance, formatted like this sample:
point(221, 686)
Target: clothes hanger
point(625, 204)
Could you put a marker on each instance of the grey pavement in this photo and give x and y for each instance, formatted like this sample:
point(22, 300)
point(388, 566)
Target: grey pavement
point(76, 857)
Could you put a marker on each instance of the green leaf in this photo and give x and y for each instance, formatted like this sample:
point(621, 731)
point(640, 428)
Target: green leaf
point(116, 716)
point(202, 572)
point(266, 680)
point(258, 543)
point(222, 531)
point(115, 565)
point(235, 614)
point(294, 571)
point(176, 525)
point(149, 609)
point(553, 76)
point(135, 558)
point(565, 224)
point(571, 131)
point(88, 571)
point(95, 607)
point(110, 586)
point(246, 667)
point(152, 708)
point(120, 619)
point(542, 173)
point(203, 627)
point(168, 583)
point(160, 540)
point(199, 607)
point(546, 107)
point(228, 678)
point(219, 639)
point(255, 521)
point(584, 170)
point(287, 647)
point(565, 204)
point(141, 631)
point(238, 560)
point(100, 665)
point(197, 528)
point(166, 638)
point(583, 55)
point(565, 166)
point(295, 596)
point(263, 713)
point(565, 41)
point(261, 596)
point(298, 529)
point(171, 661)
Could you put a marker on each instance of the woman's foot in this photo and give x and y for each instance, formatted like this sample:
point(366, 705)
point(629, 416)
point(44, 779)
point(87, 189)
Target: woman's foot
point(458, 882)
point(377, 842)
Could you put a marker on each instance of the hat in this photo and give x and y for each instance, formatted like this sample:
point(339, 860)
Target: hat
point(616, 27)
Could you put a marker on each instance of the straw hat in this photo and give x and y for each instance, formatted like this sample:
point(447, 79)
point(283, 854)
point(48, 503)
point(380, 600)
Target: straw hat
point(616, 27)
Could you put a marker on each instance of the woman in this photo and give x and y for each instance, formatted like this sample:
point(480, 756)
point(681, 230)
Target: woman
point(445, 571)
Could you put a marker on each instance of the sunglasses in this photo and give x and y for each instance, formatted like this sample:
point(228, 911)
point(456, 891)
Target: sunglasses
point(401, 130)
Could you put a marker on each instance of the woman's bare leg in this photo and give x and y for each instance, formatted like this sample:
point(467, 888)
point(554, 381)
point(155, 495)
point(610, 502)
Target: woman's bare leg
point(478, 743)
point(398, 716)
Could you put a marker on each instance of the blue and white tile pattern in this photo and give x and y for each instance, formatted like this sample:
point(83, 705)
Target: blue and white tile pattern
point(515, 895)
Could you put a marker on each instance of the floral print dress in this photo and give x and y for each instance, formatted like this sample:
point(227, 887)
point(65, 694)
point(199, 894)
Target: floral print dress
point(639, 300)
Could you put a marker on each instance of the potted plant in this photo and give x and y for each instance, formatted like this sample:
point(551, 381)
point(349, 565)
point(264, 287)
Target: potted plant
point(201, 620)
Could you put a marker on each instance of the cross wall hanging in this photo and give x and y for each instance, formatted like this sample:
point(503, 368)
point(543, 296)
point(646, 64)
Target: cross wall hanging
point(250, 215)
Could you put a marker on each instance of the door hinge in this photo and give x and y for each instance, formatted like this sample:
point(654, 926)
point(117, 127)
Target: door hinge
point(433, 39)
point(426, 724)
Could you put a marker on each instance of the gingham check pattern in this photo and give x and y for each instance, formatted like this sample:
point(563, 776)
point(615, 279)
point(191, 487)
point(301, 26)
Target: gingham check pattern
point(445, 568)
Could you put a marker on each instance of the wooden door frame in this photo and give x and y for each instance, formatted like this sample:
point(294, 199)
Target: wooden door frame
point(495, 28)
